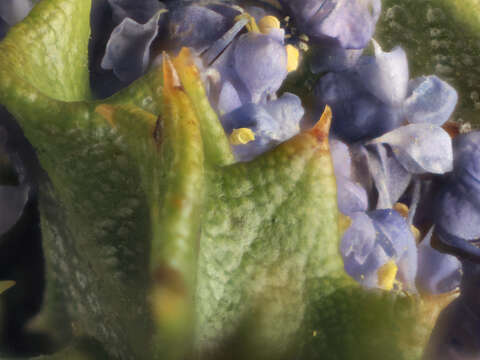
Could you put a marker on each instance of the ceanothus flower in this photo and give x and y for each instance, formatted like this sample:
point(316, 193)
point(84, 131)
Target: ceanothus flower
point(128, 49)
point(378, 248)
point(366, 106)
point(139, 11)
point(338, 30)
point(352, 196)
point(458, 203)
point(199, 26)
point(351, 22)
point(271, 124)
point(437, 272)
point(375, 96)
point(13, 11)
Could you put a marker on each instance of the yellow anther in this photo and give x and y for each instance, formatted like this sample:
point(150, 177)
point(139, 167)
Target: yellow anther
point(241, 136)
point(5, 285)
point(267, 23)
point(402, 209)
point(415, 232)
point(344, 222)
point(251, 25)
point(292, 57)
point(386, 275)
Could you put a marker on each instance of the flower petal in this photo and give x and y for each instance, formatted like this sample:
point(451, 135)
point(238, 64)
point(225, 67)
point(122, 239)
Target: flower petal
point(420, 148)
point(390, 178)
point(331, 56)
point(271, 123)
point(458, 211)
point(228, 100)
point(352, 22)
point(13, 11)
point(430, 100)
point(373, 239)
point(357, 114)
point(196, 26)
point(128, 49)
point(351, 196)
point(385, 75)
point(341, 158)
point(261, 64)
point(140, 11)
point(437, 272)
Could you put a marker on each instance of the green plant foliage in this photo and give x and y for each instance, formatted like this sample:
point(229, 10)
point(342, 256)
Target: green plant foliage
point(158, 246)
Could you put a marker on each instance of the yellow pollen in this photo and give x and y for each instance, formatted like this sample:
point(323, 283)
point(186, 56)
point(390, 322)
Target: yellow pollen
point(241, 136)
point(293, 56)
point(267, 23)
point(386, 275)
point(402, 209)
point(251, 25)
point(416, 233)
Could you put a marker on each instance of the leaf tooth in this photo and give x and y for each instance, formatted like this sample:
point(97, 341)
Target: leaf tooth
point(170, 76)
point(322, 128)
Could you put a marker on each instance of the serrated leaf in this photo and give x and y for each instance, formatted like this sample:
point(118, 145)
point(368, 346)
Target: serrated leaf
point(48, 49)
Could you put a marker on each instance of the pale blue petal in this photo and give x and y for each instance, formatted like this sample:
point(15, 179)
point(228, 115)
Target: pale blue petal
point(385, 75)
point(331, 56)
point(372, 240)
point(395, 237)
point(389, 176)
point(14, 11)
point(351, 22)
point(358, 240)
point(458, 211)
point(288, 111)
point(196, 26)
point(341, 158)
point(128, 49)
point(420, 148)
point(430, 100)
point(228, 99)
point(261, 64)
point(351, 196)
point(272, 124)
point(437, 272)
point(358, 115)
point(140, 11)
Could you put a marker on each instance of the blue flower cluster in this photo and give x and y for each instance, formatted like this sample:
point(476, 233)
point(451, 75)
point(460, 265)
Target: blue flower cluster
point(402, 181)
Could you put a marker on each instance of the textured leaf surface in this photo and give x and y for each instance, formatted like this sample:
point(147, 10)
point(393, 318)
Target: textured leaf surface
point(141, 184)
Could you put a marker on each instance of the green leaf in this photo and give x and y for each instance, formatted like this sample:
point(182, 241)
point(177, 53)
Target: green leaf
point(48, 49)
point(143, 213)
point(270, 231)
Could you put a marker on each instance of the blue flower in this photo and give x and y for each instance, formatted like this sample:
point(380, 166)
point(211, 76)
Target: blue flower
point(13, 11)
point(139, 11)
point(437, 272)
point(351, 196)
point(271, 123)
point(198, 26)
point(458, 203)
point(375, 96)
point(376, 241)
point(128, 49)
point(366, 100)
point(430, 100)
point(351, 22)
